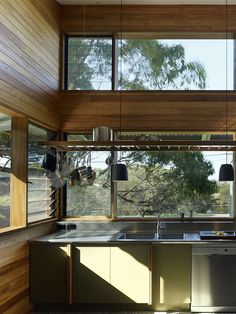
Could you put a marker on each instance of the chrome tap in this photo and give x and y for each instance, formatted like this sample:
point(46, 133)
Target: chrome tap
point(159, 227)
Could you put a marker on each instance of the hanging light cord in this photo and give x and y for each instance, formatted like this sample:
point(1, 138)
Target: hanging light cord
point(121, 58)
point(226, 79)
point(83, 79)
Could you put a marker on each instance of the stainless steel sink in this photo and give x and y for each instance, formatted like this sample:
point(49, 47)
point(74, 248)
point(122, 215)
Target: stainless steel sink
point(150, 236)
point(171, 236)
point(137, 236)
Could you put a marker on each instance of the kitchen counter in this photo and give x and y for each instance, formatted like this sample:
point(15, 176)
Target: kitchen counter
point(122, 232)
point(73, 236)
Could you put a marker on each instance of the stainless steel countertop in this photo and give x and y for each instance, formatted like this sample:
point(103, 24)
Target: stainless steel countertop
point(73, 236)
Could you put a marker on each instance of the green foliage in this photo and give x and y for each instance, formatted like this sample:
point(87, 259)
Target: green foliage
point(5, 200)
point(167, 182)
point(87, 200)
point(146, 65)
point(88, 59)
point(152, 65)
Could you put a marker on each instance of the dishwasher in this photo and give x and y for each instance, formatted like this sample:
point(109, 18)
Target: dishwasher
point(213, 279)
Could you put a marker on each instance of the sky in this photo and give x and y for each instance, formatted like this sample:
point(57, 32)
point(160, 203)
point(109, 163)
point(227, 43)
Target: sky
point(212, 54)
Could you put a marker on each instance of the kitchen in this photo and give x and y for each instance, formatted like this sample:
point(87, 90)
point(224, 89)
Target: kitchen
point(38, 104)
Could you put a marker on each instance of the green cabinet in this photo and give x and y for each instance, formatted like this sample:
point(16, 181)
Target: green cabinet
point(130, 274)
point(48, 272)
point(171, 277)
point(111, 274)
point(156, 276)
point(90, 274)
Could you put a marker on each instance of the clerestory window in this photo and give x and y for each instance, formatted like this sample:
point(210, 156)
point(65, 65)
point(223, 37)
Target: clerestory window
point(105, 63)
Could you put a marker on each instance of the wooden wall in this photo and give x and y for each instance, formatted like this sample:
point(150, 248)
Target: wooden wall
point(165, 111)
point(151, 18)
point(29, 86)
point(161, 111)
point(14, 269)
point(29, 58)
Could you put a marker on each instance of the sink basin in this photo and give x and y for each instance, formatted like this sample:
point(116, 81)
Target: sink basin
point(171, 236)
point(137, 236)
point(150, 236)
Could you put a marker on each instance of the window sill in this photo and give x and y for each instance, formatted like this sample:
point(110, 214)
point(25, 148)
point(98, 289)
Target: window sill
point(10, 230)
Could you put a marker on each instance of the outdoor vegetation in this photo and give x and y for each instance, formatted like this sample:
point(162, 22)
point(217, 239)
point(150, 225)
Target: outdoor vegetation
point(5, 166)
point(169, 183)
point(165, 183)
point(142, 65)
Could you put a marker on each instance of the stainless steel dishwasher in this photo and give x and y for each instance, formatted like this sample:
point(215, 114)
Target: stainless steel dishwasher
point(213, 279)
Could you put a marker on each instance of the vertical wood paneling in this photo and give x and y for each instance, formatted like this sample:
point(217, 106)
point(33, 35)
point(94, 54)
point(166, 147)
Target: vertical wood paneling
point(29, 59)
point(19, 172)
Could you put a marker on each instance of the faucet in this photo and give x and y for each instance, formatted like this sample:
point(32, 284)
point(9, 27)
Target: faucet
point(159, 227)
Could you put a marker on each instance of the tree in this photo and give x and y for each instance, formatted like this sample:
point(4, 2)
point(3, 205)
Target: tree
point(153, 65)
point(167, 182)
point(159, 181)
point(146, 65)
point(88, 59)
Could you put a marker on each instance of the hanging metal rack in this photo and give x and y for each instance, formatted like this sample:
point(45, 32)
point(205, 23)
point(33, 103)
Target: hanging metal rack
point(167, 145)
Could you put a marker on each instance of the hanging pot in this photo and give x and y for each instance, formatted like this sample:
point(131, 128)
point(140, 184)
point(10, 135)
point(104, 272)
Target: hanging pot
point(83, 172)
point(74, 178)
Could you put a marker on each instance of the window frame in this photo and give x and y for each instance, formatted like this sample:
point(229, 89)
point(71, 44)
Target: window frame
point(54, 194)
point(66, 55)
point(114, 72)
point(113, 210)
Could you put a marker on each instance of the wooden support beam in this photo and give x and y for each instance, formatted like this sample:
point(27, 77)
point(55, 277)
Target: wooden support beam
point(18, 177)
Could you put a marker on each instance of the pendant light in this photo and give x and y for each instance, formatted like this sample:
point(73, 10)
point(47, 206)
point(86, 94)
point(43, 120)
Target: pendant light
point(119, 170)
point(226, 170)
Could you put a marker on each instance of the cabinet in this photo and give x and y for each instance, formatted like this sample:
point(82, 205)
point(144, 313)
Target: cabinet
point(130, 273)
point(91, 274)
point(171, 277)
point(155, 276)
point(114, 274)
point(49, 272)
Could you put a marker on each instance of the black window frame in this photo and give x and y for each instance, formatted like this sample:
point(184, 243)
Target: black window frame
point(66, 54)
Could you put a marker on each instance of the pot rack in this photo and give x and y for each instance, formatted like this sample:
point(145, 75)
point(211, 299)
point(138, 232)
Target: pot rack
point(71, 146)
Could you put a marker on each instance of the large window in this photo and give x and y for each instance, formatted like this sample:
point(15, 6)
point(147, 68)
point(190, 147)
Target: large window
point(148, 64)
point(174, 184)
point(89, 186)
point(171, 183)
point(40, 192)
point(5, 169)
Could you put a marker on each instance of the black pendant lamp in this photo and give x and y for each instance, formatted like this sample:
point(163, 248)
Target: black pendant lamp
point(119, 171)
point(226, 170)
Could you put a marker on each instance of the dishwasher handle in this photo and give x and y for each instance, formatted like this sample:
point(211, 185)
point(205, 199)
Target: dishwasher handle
point(214, 251)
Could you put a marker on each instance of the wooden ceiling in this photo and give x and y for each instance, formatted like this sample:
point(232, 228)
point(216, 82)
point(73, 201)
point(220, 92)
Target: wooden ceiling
point(147, 2)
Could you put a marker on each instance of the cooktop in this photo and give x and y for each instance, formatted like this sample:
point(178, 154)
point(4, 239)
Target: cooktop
point(211, 235)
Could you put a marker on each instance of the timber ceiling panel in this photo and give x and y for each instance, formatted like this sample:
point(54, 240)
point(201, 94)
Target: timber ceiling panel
point(148, 2)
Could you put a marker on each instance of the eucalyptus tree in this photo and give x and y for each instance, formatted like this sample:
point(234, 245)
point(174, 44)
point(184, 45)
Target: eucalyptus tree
point(159, 182)
point(145, 64)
